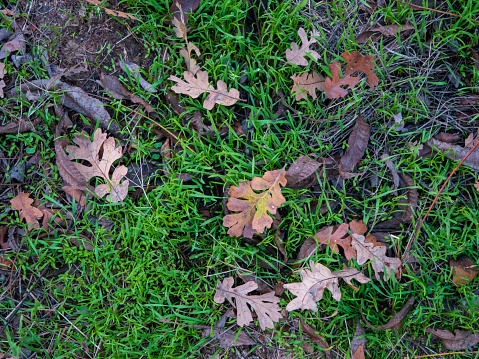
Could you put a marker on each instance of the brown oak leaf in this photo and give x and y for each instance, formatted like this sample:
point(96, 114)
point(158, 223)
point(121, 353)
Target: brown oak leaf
point(355, 62)
point(386, 31)
point(338, 238)
point(254, 207)
point(190, 62)
point(315, 281)
point(194, 87)
point(462, 339)
point(367, 251)
point(265, 305)
point(357, 144)
point(295, 55)
point(90, 151)
point(23, 203)
point(308, 82)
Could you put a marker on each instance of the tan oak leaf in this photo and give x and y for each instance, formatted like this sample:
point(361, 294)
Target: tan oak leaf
point(23, 204)
point(265, 305)
point(190, 62)
point(308, 82)
point(296, 55)
point(368, 251)
point(253, 207)
point(87, 150)
point(195, 86)
point(313, 283)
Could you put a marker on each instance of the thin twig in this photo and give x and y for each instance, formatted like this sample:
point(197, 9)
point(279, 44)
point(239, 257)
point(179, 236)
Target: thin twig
point(439, 11)
point(438, 354)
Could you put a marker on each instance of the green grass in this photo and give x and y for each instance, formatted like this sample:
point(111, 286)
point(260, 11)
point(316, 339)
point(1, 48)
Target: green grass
point(161, 259)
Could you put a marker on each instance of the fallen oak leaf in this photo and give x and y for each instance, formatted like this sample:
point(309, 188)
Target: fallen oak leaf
point(89, 151)
point(254, 207)
point(265, 305)
point(229, 338)
point(302, 173)
point(112, 12)
point(295, 55)
point(355, 62)
point(386, 31)
point(190, 62)
point(358, 342)
point(463, 270)
point(462, 339)
point(23, 203)
point(456, 153)
point(315, 337)
point(396, 320)
point(186, 6)
point(336, 239)
point(20, 126)
point(308, 82)
point(313, 283)
point(357, 144)
point(135, 71)
point(194, 87)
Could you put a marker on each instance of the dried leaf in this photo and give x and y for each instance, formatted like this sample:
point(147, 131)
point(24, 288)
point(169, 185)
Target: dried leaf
point(308, 82)
point(229, 338)
point(389, 163)
point(338, 238)
point(358, 342)
point(24, 125)
point(309, 246)
point(462, 339)
point(135, 71)
point(386, 31)
point(265, 306)
point(16, 43)
point(89, 151)
point(194, 87)
point(355, 62)
point(190, 62)
point(23, 203)
point(302, 173)
point(464, 270)
point(315, 281)
point(396, 320)
point(357, 144)
point(315, 337)
point(118, 91)
point(187, 7)
point(119, 14)
point(367, 251)
point(254, 207)
point(72, 97)
point(296, 55)
point(456, 153)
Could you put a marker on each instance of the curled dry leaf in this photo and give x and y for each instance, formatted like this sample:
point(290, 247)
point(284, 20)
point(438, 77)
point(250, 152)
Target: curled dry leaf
point(315, 337)
point(296, 55)
point(389, 163)
point(265, 306)
point(89, 151)
point(118, 91)
point(462, 339)
point(396, 320)
point(358, 342)
point(254, 207)
point(355, 62)
point(190, 62)
point(357, 144)
point(194, 87)
point(23, 203)
point(386, 31)
point(20, 126)
point(135, 71)
point(308, 82)
point(464, 270)
point(456, 153)
point(315, 281)
point(302, 173)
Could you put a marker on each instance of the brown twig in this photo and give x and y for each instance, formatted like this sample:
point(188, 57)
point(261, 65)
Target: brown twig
point(439, 11)
point(438, 354)
point(432, 204)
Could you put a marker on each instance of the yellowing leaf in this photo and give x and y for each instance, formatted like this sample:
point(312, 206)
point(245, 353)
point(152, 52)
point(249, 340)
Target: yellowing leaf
point(23, 203)
point(254, 207)
point(315, 281)
point(194, 87)
point(89, 151)
point(265, 306)
point(296, 55)
point(308, 82)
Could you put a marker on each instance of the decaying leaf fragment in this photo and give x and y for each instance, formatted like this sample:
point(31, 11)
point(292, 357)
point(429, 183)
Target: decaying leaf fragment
point(89, 151)
point(194, 87)
point(190, 62)
point(265, 305)
point(254, 207)
point(355, 62)
point(456, 153)
point(464, 270)
point(338, 238)
point(296, 55)
point(386, 31)
point(315, 337)
point(462, 339)
point(23, 203)
point(395, 321)
point(315, 281)
point(308, 82)
point(358, 342)
point(357, 144)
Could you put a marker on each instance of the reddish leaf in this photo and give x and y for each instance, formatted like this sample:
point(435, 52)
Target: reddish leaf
point(338, 238)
